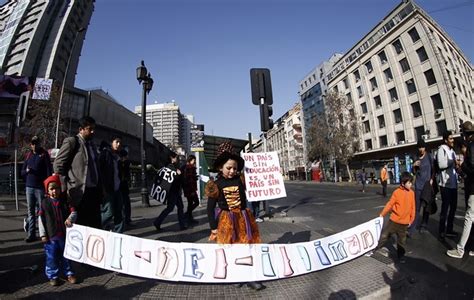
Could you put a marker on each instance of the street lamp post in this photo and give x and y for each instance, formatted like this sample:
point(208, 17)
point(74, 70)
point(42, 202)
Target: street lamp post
point(144, 78)
point(64, 83)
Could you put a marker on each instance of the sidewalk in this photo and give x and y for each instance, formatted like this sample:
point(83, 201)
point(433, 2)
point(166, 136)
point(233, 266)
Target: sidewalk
point(376, 277)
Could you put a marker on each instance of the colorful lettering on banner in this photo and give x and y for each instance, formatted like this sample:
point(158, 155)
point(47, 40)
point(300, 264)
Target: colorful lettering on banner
point(167, 263)
point(323, 258)
point(74, 247)
point(216, 263)
point(220, 271)
point(304, 257)
point(337, 250)
point(267, 262)
point(191, 266)
point(353, 244)
point(95, 248)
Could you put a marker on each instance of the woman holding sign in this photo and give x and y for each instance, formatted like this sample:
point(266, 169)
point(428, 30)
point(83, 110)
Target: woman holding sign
point(232, 222)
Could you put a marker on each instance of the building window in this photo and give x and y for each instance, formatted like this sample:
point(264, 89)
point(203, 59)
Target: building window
point(373, 83)
point(363, 108)
point(411, 87)
point(441, 127)
point(437, 103)
point(422, 54)
point(400, 136)
point(368, 144)
point(383, 141)
point(346, 83)
point(359, 91)
point(416, 109)
point(430, 77)
point(377, 102)
point(393, 94)
point(382, 57)
point(356, 76)
point(419, 132)
point(414, 34)
point(349, 97)
point(388, 75)
point(381, 121)
point(404, 64)
point(397, 45)
point(366, 126)
point(368, 65)
point(397, 115)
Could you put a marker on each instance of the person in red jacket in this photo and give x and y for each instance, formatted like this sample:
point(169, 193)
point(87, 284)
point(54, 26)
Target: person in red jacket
point(402, 213)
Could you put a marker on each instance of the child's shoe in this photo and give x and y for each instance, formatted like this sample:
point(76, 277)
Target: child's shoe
point(54, 282)
point(72, 279)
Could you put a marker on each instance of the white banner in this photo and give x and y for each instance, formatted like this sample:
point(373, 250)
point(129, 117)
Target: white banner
point(263, 179)
point(192, 262)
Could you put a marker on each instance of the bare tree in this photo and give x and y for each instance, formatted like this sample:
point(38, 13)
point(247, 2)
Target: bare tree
point(337, 133)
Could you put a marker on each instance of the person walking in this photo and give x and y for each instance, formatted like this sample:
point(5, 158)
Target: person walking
point(467, 169)
point(423, 168)
point(402, 213)
point(112, 207)
point(54, 216)
point(384, 179)
point(448, 184)
point(77, 167)
point(173, 197)
point(232, 222)
point(362, 178)
point(190, 179)
point(36, 168)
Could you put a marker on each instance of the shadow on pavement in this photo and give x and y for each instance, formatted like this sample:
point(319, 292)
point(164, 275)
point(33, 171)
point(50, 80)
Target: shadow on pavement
point(290, 237)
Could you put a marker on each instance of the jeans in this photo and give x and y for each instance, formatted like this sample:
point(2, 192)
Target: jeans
point(415, 225)
point(468, 218)
point(34, 196)
point(172, 201)
point(449, 200)
point(113, 209)
point(54, 250)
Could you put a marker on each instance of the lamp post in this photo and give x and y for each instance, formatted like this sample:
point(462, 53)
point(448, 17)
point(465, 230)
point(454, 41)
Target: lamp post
point(64, 83)
point(144, 78)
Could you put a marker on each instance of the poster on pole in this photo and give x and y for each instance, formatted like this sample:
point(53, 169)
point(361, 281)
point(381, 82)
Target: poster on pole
point(263, 179)
point(42, 89)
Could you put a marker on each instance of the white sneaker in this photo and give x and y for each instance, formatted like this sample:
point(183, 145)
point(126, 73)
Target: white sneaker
point(471, 253)
point(369, 254)
point(259, 220)
point(454, 253)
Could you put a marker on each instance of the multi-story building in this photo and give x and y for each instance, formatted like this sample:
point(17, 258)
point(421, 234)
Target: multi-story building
point(38, 38)
point(166, 120)
point(408, 80)
point(311, 91)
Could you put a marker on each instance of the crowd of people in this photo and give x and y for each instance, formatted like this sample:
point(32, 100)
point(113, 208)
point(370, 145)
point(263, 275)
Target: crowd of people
point(410, 210)
point(90, 186)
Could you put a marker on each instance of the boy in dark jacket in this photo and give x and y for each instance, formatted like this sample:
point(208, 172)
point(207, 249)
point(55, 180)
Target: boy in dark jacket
point(54, 216)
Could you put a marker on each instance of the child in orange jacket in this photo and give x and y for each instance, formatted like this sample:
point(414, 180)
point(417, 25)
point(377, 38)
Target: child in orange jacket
point(402, 208)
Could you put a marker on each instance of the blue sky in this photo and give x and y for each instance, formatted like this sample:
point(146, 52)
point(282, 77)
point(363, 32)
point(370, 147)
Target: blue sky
point(199, 52)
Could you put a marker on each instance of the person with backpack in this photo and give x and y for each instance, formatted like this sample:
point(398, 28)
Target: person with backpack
point(77, 167)
point(467, 169)
point(448, 183)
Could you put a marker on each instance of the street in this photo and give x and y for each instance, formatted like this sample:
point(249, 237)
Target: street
point(311, 211)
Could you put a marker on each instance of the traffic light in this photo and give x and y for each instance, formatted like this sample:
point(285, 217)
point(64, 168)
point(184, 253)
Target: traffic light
point(266, 122)
point(262, 96)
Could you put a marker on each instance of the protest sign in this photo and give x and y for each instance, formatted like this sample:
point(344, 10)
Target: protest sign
point(225, 263)
point(162, 183)
point(263, 179)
